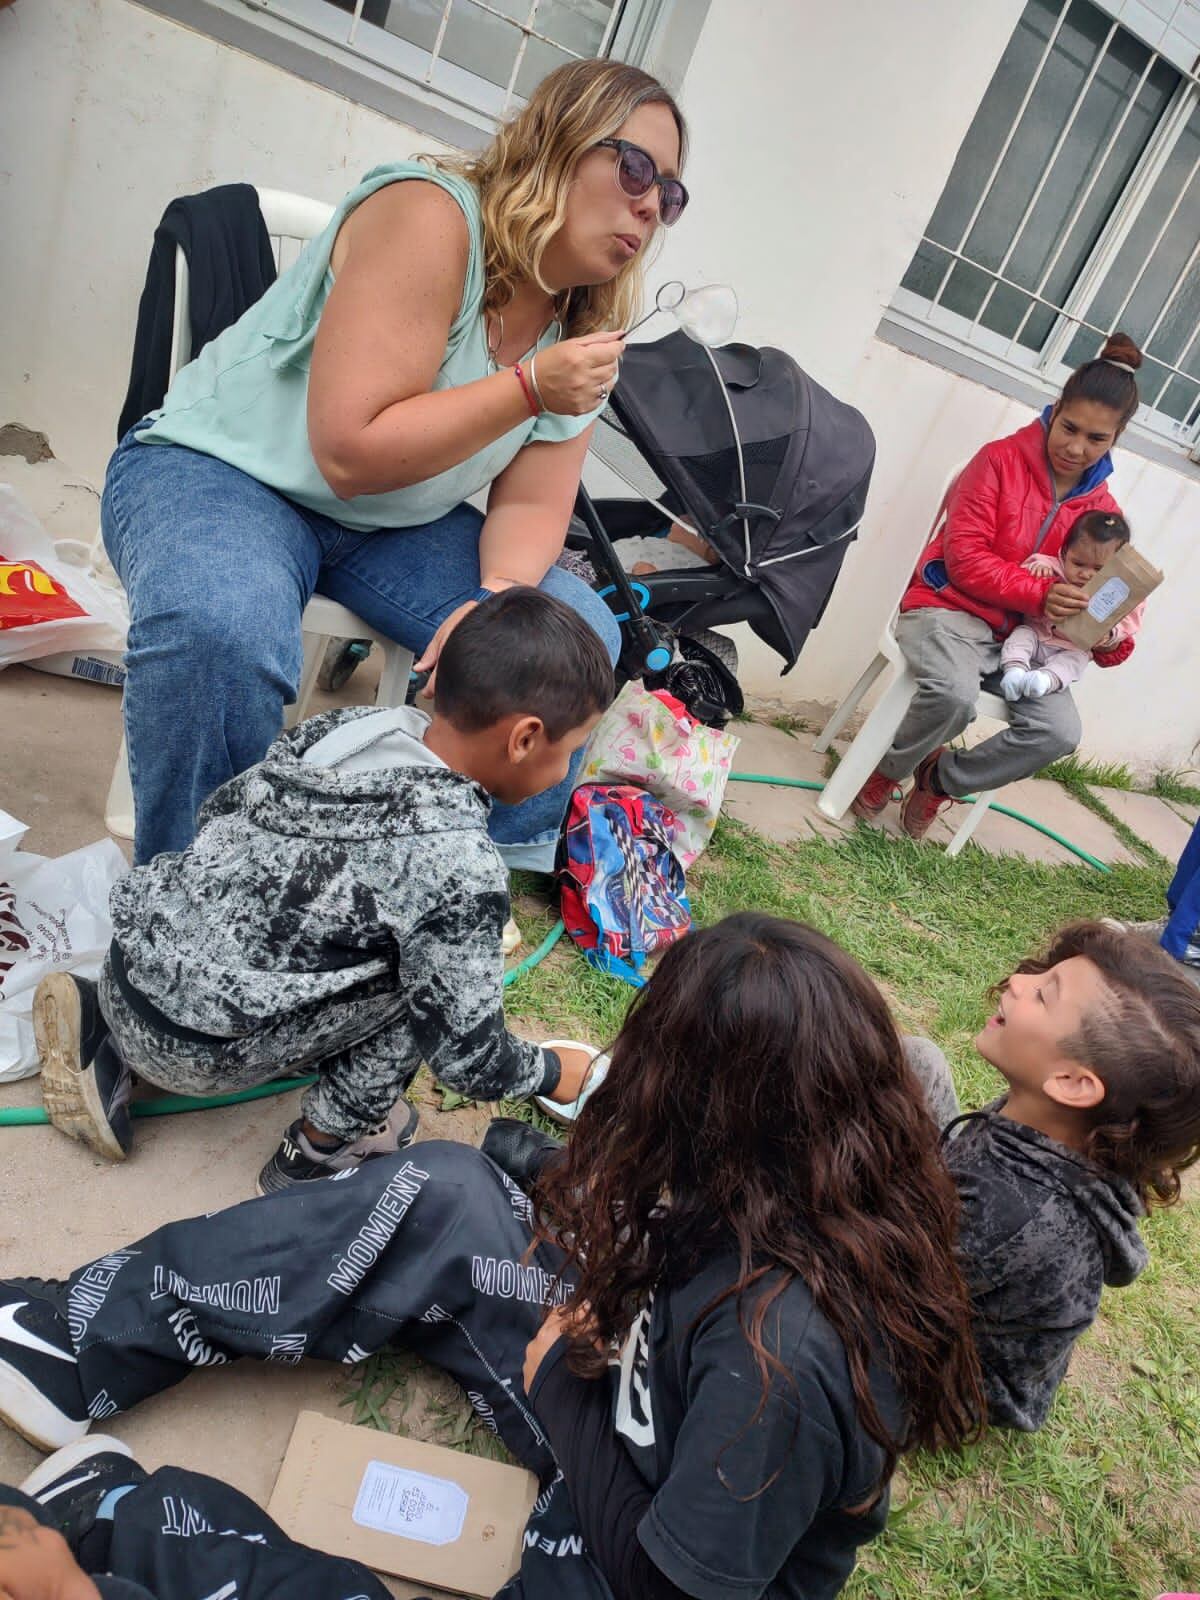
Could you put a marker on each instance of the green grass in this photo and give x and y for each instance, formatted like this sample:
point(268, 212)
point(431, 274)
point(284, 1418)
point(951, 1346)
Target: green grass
point(1104, 1502)
point(1075, 771)
point(789, 724)
point(1174, 786)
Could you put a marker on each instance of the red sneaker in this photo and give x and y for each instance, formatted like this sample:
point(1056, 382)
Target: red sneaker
point(874, 796)
point(922, 803)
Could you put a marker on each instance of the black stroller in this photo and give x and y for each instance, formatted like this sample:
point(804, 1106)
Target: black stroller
point(766, 466)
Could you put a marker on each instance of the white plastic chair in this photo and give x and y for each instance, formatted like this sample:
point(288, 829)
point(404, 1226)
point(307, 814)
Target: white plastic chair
point(287, 216)
point(874, 738)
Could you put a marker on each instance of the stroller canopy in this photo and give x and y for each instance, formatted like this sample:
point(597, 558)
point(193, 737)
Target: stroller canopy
point(807, 459)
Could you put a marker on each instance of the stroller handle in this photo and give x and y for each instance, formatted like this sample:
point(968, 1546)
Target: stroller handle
point(656, 656)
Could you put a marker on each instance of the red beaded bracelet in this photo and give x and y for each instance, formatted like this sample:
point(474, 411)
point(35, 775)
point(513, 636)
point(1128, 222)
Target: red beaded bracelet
point(534, 409)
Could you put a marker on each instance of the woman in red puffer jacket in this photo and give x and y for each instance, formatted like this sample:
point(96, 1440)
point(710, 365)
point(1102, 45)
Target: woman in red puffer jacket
point(1016, 496)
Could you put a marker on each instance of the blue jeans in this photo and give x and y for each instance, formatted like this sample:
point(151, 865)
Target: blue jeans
point(218, 569)
point(1182, 935)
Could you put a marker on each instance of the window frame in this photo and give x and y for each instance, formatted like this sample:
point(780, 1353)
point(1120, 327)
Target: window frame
point(933, 326)
point(461, 109)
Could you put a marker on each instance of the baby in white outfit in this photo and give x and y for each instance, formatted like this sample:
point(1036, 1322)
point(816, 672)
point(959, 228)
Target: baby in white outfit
point(1036, 659)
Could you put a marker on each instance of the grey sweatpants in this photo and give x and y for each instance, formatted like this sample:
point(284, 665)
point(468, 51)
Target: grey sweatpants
point(950, 652)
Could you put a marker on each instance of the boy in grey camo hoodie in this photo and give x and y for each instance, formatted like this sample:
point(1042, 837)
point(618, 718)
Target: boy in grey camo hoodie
point(340, 910)
point(1099, 1044)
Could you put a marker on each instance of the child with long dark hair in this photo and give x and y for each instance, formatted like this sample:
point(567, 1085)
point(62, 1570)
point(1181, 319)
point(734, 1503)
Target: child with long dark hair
point(748, 1252)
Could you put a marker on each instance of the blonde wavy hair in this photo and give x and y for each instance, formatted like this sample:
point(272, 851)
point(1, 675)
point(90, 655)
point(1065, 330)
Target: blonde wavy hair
point(524, 175)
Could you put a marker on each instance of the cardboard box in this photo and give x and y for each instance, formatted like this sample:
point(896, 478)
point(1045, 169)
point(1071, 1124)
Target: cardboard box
point(1123, 582)
point(417, 1511)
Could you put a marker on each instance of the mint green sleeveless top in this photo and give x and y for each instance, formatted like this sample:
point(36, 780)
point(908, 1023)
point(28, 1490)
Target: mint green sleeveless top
point(244, 399)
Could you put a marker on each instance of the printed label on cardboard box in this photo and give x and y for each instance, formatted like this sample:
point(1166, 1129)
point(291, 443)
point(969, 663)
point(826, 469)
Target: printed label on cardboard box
point(411, 1504)
point(1107, 598)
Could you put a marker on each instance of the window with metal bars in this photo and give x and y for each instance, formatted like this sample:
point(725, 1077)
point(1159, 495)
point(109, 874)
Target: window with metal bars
point(479, 54)
point(449, 68)
point(1073, 206)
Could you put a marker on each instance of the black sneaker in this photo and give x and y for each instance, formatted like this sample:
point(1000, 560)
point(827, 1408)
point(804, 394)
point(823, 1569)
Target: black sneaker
point(85, 1084)
point(298, 1160)
point(71, 1485)
point(519, 1149)
point(40, 1393)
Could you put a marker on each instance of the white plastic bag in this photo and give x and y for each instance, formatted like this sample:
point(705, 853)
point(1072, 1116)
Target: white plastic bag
point(51, 605)
point(53, 918)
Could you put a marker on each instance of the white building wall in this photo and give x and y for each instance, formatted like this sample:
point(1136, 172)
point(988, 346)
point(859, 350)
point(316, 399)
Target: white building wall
point(822, 135)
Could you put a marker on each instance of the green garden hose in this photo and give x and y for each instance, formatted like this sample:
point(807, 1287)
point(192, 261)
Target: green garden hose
point(170, 1104)
point(1005, 811)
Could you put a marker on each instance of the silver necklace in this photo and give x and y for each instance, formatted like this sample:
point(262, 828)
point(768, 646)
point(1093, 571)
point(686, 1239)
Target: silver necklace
point(494, 346)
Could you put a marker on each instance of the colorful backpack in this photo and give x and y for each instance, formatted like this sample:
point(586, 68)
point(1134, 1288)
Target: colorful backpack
point(622, 888)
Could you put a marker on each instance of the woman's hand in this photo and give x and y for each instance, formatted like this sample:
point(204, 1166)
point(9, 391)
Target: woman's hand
point(575, 376)
point(35, 1562)
point(429, 659)
point(1063, 600)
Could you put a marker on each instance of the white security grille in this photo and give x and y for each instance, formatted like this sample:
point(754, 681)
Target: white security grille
point(1073, 207)
point(481, 55)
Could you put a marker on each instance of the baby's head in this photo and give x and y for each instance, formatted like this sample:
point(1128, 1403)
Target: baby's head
point(521, 683)
point(1105, 1030)
point(1095, 537)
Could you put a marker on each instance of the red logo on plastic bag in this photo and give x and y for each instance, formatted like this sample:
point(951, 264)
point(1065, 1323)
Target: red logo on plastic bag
point(14, 941)
point(29, 595)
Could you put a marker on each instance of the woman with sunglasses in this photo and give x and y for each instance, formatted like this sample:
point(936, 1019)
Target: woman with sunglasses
point(455, 329)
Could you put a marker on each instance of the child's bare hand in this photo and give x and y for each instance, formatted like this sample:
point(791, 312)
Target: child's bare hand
point(35, 1562)
point(1041, 569)
point(576, 1066)
point(572, 1319)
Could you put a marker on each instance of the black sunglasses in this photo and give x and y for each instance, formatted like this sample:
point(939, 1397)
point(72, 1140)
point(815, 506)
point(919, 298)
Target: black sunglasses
point(637, 174)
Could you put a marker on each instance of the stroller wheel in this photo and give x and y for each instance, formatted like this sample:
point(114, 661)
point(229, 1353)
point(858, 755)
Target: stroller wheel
point(341, 658)
point(718, 645)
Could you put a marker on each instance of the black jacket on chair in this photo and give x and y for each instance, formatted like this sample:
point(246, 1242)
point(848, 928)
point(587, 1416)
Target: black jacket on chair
point(230, 266)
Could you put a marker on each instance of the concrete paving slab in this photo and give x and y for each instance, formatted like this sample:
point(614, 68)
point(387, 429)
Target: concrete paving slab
point(1150, 818)
point(1185, 809)
point(1048, 803)
point(781, 815)
point(763, 748)
point(784, 816)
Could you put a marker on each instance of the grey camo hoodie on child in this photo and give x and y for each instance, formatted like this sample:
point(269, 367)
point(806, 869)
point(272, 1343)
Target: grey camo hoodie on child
point(1042, 1230)
point(348, 878)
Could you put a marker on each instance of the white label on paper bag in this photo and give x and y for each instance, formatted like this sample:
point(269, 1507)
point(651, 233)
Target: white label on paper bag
point(411, 1504)
point(1112, 593)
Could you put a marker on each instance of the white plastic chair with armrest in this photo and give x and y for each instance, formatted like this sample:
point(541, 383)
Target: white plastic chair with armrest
point(287, 216)
point(875, 737)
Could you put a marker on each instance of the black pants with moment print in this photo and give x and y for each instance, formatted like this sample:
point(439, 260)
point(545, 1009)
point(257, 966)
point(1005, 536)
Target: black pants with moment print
point(428, 1250)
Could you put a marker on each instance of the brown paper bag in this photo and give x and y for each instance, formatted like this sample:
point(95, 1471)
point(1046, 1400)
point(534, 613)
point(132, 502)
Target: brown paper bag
point(1123, 582)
